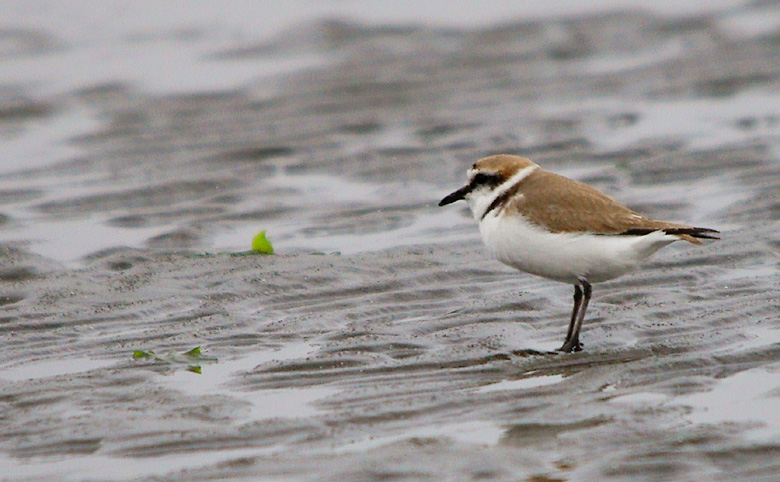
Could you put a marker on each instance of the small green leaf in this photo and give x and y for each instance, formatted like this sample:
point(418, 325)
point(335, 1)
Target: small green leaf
point(261, 245)
point(190, 360)
point(195, 352)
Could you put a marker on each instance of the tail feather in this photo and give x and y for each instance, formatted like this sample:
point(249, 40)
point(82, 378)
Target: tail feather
point(690, 234)
point(702, 233)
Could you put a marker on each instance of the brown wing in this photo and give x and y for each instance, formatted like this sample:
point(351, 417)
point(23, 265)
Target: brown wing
point(565, 205)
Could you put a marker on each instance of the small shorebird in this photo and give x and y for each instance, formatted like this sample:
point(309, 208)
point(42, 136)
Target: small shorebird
point(560, 229)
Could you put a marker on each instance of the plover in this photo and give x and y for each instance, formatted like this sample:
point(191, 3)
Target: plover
point(545, 224)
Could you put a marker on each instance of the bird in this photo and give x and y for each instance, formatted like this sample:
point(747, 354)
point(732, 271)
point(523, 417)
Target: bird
point(548, 225)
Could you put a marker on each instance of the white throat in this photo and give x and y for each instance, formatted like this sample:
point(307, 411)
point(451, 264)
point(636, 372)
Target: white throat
point(480, 200)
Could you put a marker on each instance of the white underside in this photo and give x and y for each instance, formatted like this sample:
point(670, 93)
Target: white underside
point(566, 257)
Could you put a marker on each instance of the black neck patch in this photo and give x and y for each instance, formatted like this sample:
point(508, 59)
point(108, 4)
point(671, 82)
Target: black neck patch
point(503, 198)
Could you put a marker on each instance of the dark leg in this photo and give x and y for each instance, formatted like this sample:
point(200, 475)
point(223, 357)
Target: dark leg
point(572, 342)
point(577, 303)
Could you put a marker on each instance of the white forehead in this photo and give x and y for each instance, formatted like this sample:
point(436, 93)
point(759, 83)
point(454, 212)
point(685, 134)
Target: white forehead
point(473, 172)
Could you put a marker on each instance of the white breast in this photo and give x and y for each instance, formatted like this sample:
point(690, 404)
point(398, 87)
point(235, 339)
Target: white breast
point(565, 257)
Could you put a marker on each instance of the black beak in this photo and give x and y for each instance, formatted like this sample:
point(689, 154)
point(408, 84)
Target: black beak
point(456, 196)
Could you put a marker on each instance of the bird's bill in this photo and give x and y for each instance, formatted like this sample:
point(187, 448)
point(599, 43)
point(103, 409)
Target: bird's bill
point(456, 196)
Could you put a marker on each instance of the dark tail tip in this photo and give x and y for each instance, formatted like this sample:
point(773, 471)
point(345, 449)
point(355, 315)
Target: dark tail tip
point(701, 233)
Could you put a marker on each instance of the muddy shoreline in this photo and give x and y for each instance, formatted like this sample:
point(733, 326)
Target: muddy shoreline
point(380, 341)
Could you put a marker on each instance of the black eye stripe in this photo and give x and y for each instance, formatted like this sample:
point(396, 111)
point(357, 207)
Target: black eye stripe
point(483, 179)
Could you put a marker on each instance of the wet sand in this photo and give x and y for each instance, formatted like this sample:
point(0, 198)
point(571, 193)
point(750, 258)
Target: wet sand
point(380, 342)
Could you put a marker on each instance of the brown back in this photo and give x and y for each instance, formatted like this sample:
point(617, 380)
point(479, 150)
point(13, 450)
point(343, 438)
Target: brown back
point(564, 205)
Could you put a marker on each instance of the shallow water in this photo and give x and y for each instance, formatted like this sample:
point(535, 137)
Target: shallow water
point(380, 341)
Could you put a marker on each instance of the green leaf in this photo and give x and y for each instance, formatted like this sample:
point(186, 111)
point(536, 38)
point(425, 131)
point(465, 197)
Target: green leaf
point(260, 244)
point(195, 352)
point(177, 359)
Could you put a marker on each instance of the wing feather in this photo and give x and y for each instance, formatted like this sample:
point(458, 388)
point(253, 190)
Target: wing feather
point(563, 205)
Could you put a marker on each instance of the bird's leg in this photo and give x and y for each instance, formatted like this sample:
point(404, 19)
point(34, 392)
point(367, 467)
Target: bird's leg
point(572, 342)
point(577, 302)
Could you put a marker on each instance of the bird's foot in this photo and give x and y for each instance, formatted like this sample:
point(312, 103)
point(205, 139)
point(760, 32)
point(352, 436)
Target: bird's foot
point(571, 347)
